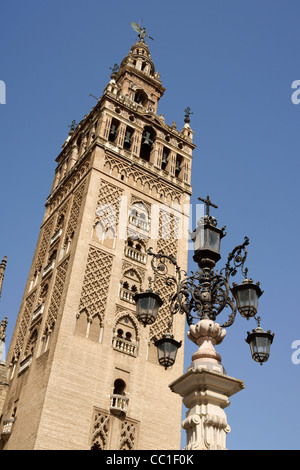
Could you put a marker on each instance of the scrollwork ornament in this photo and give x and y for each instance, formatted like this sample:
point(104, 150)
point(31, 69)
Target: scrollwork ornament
point(206, 292)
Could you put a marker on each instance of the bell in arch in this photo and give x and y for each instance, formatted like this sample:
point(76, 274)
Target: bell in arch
point(147, 141)
point(127, 140)
point(113, 132)
point(164, 161)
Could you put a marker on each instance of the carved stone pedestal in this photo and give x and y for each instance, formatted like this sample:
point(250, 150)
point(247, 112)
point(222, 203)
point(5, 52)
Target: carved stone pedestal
point(206, 389)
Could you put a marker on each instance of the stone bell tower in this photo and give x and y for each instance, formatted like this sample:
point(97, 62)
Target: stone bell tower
point(82, 372)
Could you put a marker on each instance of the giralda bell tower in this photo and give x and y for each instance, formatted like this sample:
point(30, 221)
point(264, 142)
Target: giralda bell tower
point(82, 371)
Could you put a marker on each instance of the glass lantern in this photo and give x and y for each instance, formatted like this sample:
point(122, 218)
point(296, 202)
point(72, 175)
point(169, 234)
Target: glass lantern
point(246, 295)
point(207, 241)
point(167, 348)
point(260, 343)
point(147, 305)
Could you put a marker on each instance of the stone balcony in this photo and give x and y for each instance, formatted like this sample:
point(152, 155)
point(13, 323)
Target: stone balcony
point(139, 222)
point(118, 404)
point(127, 295)
point(7, 428)
point(135, 254)
point(125, 346)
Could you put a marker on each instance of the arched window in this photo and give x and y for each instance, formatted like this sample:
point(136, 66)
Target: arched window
point(138, 221)
point(51, 262)
point(95, 330)
point(88, 327)
point(128, 137)
point(118, 399)
point(119, 387)
point(113, 132)
point(66, 246)
point(178, 165)
point(129, 285)
point(81, 324)
point(148, 138)
point(141, 98)
point(125, 336)
point(45, 343)
point(31, 344)
point(165, 158)
point(105, 233)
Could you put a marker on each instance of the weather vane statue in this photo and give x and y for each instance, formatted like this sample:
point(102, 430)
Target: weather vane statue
point(141, 31)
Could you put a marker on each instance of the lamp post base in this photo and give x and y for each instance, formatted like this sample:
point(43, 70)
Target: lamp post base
point(205, 393)
point(205, 389)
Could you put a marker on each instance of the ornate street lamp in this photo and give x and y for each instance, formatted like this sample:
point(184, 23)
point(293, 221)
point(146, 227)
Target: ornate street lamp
point(206, 293)
point(167, 348)
point(147, 305)
point(260, 343)
point(246, 295)
point(207, 239)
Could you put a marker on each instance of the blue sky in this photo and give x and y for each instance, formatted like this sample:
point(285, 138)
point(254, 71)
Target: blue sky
point(233, 62)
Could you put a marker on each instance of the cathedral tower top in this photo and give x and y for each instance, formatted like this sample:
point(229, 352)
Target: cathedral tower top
point(126, 121)
point(137, 78)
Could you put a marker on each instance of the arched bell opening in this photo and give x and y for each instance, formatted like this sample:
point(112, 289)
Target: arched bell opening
point(147, 144)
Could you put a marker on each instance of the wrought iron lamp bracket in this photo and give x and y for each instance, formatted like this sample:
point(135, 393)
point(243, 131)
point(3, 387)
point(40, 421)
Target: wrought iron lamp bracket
point(204, 294)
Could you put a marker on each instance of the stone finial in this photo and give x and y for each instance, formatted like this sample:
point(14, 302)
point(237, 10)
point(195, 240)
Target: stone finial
point(2, 269)
point(114, 71)
point(3, 326)
point(3, 264)
point(187, 115)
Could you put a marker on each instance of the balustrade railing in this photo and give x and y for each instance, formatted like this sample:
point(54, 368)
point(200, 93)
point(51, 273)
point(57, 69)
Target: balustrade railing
point(56, 236)
point(139, 222)
point(125, 346)
point(119, 403)
point(127, 295)
point(135, 254)
point(49, 267)
point(7, 427)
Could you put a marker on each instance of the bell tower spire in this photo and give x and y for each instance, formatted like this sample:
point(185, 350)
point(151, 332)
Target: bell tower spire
point(137, 80)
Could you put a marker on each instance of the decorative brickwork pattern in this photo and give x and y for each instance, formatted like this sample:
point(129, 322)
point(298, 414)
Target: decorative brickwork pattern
point(168, 234)
point(101, 429)
point(62, 212)
point(108, 209)
point(147, 181)
point(128, 436)
point(44, 245)
point(96, 283)
point(140, 272)
point(167, 244)
point(64, 190)
point(24, 325)
point(57, 292)
point(77, 201)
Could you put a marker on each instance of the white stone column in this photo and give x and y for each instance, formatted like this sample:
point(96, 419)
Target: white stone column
point(205, 389)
